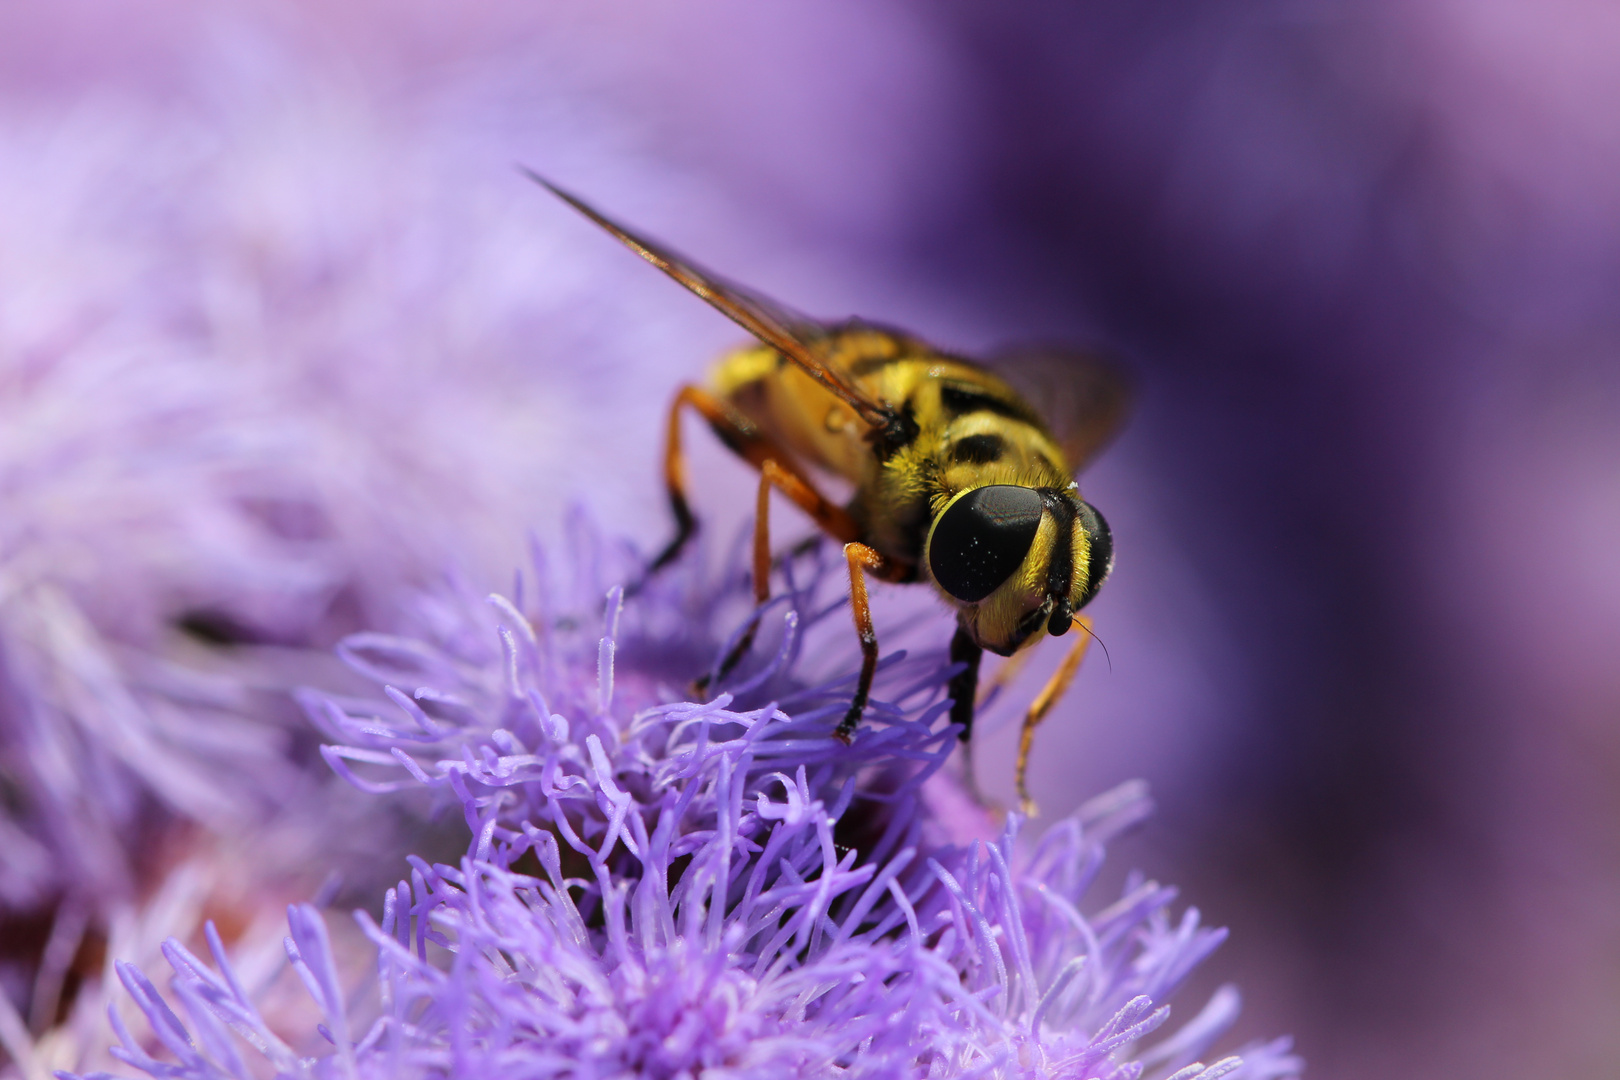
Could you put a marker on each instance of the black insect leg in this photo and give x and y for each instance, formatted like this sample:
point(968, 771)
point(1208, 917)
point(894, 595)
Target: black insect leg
point(964, 684)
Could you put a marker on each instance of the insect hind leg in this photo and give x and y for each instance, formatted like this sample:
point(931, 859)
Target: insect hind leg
point(770, 473)
point(744, 439)
point(738, 435)
point(831, 518)
point(686, 522)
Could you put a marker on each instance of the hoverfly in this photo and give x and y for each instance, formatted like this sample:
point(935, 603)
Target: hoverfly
point(959, 481)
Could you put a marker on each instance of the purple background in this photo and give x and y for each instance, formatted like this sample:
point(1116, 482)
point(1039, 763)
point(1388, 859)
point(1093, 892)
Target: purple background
point(1362, 260)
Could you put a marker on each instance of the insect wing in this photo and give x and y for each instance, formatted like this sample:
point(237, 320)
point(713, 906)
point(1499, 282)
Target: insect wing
point(1084, 399)
point(793, 335)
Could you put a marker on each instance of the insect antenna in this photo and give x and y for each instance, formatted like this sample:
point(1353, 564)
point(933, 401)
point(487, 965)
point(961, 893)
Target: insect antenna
point(1099, 641)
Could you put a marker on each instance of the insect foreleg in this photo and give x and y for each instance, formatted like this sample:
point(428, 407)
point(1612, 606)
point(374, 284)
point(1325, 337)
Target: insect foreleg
point(1049, 696)
point(964, 650)
point(861, 558)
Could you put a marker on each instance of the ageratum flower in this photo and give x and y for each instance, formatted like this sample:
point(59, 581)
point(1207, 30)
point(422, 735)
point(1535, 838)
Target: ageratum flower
point(657, 887)
point(238, 356)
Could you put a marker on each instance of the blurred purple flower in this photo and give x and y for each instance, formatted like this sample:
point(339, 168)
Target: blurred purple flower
point(213, 362)
point(677, 889)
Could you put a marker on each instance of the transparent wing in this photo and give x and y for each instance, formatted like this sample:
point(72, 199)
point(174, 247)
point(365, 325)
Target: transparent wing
point(1083, 398)
point(793, 335)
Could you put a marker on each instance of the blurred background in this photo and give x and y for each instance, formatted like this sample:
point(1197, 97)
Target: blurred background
point(1361, 260)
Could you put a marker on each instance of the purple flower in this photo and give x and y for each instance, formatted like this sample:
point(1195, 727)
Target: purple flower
point(663, 888)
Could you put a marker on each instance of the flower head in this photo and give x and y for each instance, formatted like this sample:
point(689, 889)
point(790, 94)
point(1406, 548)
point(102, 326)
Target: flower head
point(664, 888)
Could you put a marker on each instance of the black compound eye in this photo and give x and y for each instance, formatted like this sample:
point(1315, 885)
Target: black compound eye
point(1102, 551)
point(982, 537)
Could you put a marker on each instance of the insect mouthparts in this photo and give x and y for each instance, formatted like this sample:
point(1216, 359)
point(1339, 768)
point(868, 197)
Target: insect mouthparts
point(1062, 618)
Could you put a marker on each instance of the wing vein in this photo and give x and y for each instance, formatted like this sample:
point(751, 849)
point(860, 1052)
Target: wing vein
point(795, 337)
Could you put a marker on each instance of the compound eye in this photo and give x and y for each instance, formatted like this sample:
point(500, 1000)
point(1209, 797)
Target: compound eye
point(982, 537)
point(1102, 551)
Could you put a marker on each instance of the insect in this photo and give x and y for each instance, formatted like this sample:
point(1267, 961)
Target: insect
point(959, 480)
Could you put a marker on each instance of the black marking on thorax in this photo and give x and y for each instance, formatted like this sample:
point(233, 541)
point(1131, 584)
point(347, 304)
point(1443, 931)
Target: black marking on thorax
point(978, 449)
point(959, 400)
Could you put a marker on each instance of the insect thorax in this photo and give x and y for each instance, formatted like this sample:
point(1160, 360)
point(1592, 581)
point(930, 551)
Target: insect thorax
point(971, 428)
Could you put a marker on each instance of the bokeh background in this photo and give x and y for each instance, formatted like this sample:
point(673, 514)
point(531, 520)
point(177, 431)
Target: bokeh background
point(1362, 261)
